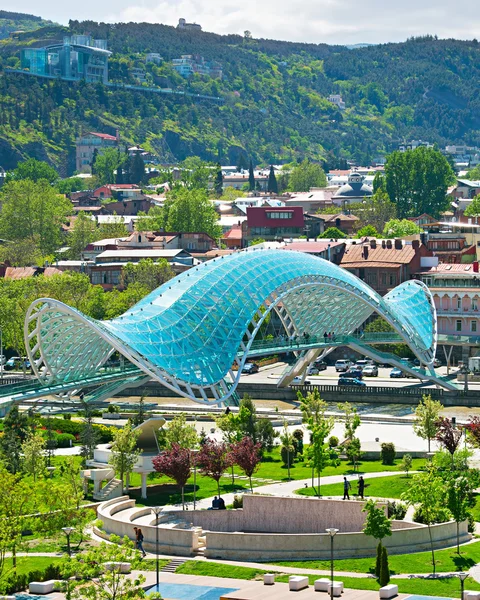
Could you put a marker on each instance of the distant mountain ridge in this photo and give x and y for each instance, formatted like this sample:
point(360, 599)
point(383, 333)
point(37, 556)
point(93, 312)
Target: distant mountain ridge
point(275, 97)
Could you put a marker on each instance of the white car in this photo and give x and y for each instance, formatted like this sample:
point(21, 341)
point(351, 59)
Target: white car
point(298, 381)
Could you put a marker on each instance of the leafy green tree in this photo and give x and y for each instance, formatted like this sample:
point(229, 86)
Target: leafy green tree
point(319, 454)
point(114, 228)
point(154, 220)
point(195, 173)
point(119, 175)
point(148, 273)
point(272, 181)
point(75, 184)
point(427, 493)
point(33, 212)
point(124, 451)
point(427, 415)
point(89, 436)
point(105, 163)
point(378, 526)
point(459, 492)
point(473, 174)
point(180, 432)
point(306, 175)
point(251, 177)
point(218, 182)
point(83, 233)
point(399, 228)
point(333, 233)
point(376, 210)
point(191, 211)
point(417, 181)
point(34, 459)
point(16, 429)
point(34, 170)
point(87, 574)
point(406, 463)
point(367, 231)
point(473, 209)
point(137, 169)
point(230, 426)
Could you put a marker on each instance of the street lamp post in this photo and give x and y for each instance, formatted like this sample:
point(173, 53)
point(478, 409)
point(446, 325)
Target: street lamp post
point(464, 372)
point(332, 531)
point(68, 531)
point(462, 576)
point(156, 511)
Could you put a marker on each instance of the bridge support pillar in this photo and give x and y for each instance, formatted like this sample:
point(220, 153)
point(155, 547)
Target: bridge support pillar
point(144, 484)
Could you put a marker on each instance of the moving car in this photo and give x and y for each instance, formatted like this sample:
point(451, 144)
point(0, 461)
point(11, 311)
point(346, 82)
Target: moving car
point(395, 372)
point(249, 368)
point(437, 362)
point(354, 372)
point(342, 380)
point(362, 363)
point(370, 371)
point(298, 381)
point(313, 370)
point(321, 365)
point(342, 365)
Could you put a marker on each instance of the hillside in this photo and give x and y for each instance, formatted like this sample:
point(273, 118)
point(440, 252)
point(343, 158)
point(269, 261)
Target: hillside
point(11, 22)
point(274, 95)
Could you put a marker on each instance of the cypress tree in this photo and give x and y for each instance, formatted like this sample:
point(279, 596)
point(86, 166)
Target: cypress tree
point(119, 177)
point(137, 169)
point(94, 158)
point(218, 183)
point(272, 181)
point(378, 562)
point(384, 570)
point(251, 177)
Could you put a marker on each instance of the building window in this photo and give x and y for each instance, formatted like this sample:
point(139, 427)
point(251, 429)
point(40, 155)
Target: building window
point(458, 325)
point(383, 278)
point(459, 303)
point(473, 327)
point(474, 303)
point(393, 279)
point(279, 215)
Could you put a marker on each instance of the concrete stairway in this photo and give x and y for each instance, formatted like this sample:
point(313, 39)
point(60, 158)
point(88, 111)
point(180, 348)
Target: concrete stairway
point(173, 565)
point(113, 489)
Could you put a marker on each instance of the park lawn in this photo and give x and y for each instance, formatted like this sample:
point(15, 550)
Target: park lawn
point(391, 486)
point(402, 564)
point(150, 564)
point(213, 569)
point(31, 563)
point(446, 588)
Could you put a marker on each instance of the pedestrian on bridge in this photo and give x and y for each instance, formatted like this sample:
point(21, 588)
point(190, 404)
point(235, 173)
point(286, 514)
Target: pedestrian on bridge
point(325, 336)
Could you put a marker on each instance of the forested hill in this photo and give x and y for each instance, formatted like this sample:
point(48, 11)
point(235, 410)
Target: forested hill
point(11, 22)
point(274, 93)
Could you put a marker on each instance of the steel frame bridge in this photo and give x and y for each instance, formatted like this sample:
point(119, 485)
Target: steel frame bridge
point(188, 333)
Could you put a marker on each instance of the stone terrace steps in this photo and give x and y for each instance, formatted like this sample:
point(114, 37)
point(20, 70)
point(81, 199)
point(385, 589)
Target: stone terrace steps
point(173, 565)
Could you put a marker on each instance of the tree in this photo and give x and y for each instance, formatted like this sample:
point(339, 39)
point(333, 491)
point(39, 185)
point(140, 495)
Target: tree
point(396, 228)
point(352, 419)
point(472, 430)
point(473, 174)
point(124, 451)
point(427, 492)
point(180, 432)
point(137, 169)
point(247, 418)
point(473, 209)
point(191, 211)
point(406, 463)
point(333, 233)
point(367, 231)
point(86, 572)
point(218, 182)
point(377, 524)
point(16, 429)
point(229, 425)
point(105, 164)
point(272, 181)
point(427, 414)
point(176, 463)
point(119, 175)
point(384, 569)
point(247, 456)
point(34, 459)
point(113, 228)
point(287, 451)
point(33, 212)
point(417, 181)
point(89, 436)
point(214, 459)
point(314, 416)
point(140, 416)
point(148, 273)
point(448, 435)
point(251, 177)
point(376, 210)
point(83, 233)
point(34, 170)
point(353, 450)
point(154, 220)
point(459, 494)
point(305, 176)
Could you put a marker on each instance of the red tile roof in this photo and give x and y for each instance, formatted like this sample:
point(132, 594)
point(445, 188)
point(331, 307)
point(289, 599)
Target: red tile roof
point(24, 272)
point(312, 247)
point(104, 136)
point(354, 255)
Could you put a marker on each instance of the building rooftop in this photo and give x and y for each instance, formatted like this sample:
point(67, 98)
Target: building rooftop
point(312, 246)
point(24, 272)
point(142, 253)
point(104, 136)
point(359, 255)
point(453, 269)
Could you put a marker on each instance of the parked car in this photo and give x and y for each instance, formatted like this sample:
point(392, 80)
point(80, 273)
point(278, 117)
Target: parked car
point(15, 363)
point(395, 372)
point(313, 370)
point(342, 380)
point(370, 371)
point(437, 362)
point(249, 368)
point(321, 365)
point(354, 372)
point(362, 363)
point(342, 365)
point(298, 381)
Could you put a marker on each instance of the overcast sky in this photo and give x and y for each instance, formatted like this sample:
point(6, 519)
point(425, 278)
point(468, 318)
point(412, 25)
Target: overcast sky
point(330, 21)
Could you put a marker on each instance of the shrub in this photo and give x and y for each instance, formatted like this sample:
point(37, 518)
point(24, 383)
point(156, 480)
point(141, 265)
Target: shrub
point(62, 425)
point(106, 433)
point(237, 501)
point(333, 441)
point(288, 455)
point(298, 434)
point(63, 440)
point(441, 516)
point(378, 562)
point(388, 453)
point(396, 510)
point(471, 523)
point(384, 569)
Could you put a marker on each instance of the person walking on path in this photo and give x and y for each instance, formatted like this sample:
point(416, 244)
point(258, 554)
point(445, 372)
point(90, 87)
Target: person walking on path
point(346, 488)
point(361, 487)
point(139, 540)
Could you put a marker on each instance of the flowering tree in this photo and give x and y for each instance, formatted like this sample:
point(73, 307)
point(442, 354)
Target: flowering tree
point(247, 456)
point(448, 435)
point(473, 431)
point(214, 459)
point(175, 463)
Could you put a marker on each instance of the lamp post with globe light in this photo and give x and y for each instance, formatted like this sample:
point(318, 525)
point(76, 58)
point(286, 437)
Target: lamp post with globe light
point(462, 576)
point(68, 531)
point(332, 531)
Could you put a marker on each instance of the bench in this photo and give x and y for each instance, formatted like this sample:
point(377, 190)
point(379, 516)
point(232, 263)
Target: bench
point(42, 587)
point(297, 583)
point(268, 579)
point(321, 585)
point(469, 595)
point(337, 587)
point(120, 567)
point(8, 598)
point(389, 591)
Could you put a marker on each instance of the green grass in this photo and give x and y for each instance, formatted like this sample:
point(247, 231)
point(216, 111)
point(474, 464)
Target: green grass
point(401, 564)
point(212, 569)
point(30, 563)
point(380, 487)
point(150, 564)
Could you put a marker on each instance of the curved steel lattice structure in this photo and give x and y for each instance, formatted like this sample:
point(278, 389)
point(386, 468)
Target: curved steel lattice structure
point(188, 333)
